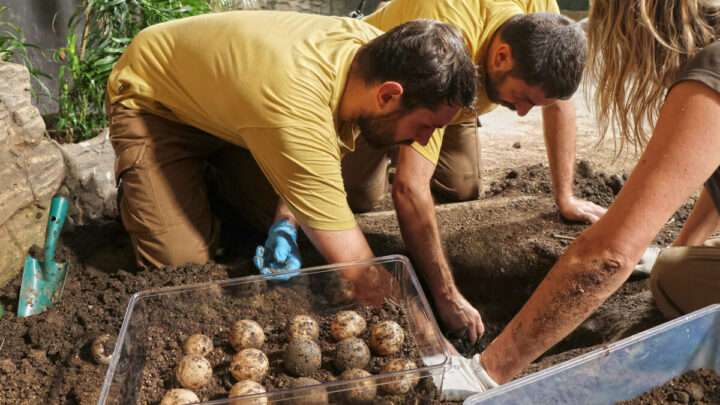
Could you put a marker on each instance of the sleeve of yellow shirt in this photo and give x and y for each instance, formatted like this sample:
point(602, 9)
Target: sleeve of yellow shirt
point(431, 151)
point(303, 166)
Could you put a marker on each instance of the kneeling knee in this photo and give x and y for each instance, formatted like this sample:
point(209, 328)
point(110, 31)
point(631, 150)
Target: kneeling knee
point(456, 189)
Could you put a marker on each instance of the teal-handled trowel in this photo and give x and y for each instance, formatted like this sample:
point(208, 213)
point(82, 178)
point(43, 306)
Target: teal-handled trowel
point(43, 280)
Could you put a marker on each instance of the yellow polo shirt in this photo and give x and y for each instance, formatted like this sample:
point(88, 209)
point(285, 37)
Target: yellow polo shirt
point(477, 20)
point(265, 80)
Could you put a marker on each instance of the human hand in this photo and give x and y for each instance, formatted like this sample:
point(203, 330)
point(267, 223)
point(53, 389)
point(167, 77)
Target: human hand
point(373, 285)
point(279, 256)
point(458, 315)
point(576, 209)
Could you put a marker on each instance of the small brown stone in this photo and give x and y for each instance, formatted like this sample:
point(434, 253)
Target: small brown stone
point(696, 391)
point(7, 366)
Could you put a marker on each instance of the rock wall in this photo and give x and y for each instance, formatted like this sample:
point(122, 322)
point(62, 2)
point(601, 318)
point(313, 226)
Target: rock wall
point(90, 179)
point(31, 170)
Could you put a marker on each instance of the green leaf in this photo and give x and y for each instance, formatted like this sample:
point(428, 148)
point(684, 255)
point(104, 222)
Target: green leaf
point(108, 60)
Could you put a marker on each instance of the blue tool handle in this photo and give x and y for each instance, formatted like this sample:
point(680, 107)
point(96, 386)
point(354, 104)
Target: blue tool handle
point(56, 220)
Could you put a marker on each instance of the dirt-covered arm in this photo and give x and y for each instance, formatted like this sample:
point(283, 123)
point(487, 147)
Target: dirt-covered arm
point(559, 131)
point(680, 156)
point(418, 225)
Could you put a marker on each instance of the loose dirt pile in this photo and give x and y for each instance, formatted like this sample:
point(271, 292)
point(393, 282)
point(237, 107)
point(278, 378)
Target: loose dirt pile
point(590, 184)
point(700, 386)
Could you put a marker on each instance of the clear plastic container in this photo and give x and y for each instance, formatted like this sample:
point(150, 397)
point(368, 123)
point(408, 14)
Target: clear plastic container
point(124, 377)
point(623, 370)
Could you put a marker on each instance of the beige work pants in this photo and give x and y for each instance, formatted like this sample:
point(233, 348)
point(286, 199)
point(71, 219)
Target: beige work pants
point(684, 279)
point(162, 168)
point(456, 177)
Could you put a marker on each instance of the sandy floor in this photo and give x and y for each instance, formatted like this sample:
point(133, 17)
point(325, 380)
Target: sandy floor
point(503, 128)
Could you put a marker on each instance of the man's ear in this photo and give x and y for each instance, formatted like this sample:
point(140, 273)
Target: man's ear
point(502, 60)
point(389, 95)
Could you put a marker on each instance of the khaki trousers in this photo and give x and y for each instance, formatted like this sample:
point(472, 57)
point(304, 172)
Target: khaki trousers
point(163, 169)
point(686, 278)
point(456, 177)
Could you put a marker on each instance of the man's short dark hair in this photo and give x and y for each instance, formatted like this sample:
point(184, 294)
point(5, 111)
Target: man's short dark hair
point(548, 50)
point(428, 58)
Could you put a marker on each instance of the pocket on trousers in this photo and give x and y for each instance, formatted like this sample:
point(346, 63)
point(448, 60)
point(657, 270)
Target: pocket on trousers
point(139, 207)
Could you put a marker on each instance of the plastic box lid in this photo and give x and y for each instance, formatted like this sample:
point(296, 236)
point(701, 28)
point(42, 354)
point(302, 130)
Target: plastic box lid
point(147, 309)
point(622, 370)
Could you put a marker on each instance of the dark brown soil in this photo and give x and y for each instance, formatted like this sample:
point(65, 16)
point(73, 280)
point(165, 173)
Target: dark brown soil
point(697, 387)
point(48, 355)
point(590, 184)
point(46, 358)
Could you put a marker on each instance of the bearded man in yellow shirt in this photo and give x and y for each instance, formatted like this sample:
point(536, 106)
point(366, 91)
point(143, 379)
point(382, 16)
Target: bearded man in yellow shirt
point(528, 55)
point(275, 95)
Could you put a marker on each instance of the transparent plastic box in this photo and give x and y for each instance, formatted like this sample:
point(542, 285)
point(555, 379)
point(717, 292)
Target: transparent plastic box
point(623, 370)
point(136, 349)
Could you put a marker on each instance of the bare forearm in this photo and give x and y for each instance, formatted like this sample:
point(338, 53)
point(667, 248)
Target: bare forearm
point(418, 225)
point(340, 246)
point(559, 131)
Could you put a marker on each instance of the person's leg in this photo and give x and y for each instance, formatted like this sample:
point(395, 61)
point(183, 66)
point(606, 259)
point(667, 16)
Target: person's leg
point(365, 176)
point(164, 205)
point(457, 176)
point(686, 278)
point(237, 179)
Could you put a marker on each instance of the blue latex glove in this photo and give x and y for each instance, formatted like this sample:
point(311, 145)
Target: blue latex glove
point(280, 256)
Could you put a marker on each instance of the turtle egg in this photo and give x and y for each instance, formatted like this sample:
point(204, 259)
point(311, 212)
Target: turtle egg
point(247, 387)
point(386, 338)
point(198, 344)
point(193, 371)
point(347, 324)
point(302, 357)
point(303, 326)
point(360, 391)
point(315, 396)
point(401, 384)
point(102, 348)
point(249, 364)
point(179, 396)
point(246, 334)
point(351, 353)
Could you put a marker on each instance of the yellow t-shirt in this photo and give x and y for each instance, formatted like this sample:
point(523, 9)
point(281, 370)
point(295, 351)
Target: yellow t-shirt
point(265, 80)
point(477, 20)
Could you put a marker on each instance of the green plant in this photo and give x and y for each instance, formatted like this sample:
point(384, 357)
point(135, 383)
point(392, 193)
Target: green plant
point(14, 48)
point(97, 35)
